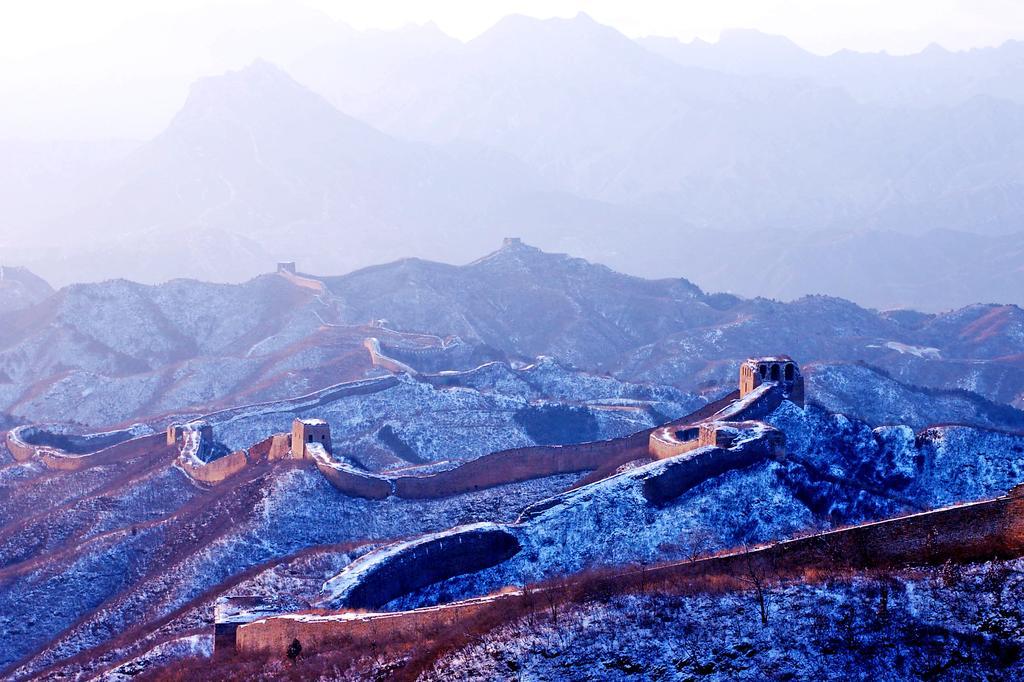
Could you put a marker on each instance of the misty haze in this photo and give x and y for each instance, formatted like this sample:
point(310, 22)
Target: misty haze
point(512, 340)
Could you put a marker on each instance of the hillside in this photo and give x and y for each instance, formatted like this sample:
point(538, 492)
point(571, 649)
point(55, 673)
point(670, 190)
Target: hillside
point(836, 472)
point(256, 166)
point(669, 331)
point(141, 546)
point(194, 345)
point(19, 288)
point(903, 625)
point(547, 352)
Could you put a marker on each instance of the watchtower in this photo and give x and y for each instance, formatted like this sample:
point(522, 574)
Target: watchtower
point(307, 431)
point(780, 369)
point(286, 267)
point(174, 433)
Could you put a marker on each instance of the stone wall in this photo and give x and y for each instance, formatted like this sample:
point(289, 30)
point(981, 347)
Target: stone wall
point(21, 451)
point(522, 464)
point(755, 405)
point(672, 441)
point(379, 577)
point(353, 482)
point(280, 447)
point(219, 469)
point(379, 359)
point(693, 431)
point(300, 280)
point(318, 633)
point(57, 459)
point(677, 475)
point(971, 532)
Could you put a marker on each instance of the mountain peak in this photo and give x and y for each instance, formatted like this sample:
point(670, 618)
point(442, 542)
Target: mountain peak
point(260, 92)
point(260, 78)
point(749, 37)
point(20, 287)
point(516, 27)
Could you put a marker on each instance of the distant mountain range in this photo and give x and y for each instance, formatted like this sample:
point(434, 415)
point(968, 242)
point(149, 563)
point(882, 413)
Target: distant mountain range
point(140, 351)
point(599, 115)
point(669, 330)
point(748, 165)
point(932, 77)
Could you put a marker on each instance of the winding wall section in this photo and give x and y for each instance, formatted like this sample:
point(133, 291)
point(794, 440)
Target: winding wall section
point(977, 531)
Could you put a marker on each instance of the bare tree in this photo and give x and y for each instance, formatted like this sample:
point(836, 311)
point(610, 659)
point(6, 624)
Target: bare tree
point(755, 574)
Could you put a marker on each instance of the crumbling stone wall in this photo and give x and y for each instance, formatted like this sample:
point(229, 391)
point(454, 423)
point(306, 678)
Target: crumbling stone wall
point(219, 469)
point(175, 432)
point(280, 447)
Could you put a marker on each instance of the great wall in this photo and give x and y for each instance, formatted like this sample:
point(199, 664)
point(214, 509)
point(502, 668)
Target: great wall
point(195, 439)
point(684, 453)
point(968, 532)
point(723, 435)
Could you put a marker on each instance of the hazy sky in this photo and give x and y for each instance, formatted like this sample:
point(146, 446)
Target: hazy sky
point(28, 27)
point(82, 69)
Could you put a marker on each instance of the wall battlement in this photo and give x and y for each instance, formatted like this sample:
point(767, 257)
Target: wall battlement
point(764, 383)
point(780, 369)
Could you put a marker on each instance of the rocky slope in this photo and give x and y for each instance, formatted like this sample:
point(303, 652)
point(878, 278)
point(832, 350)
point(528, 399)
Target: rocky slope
point(138, 544)
point(838, 471)
point(876, 397)
point(955, 624)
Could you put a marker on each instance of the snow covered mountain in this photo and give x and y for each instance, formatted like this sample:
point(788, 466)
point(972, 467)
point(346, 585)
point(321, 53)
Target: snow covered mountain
point(146, 553)
point(138, 351)
point(19, 288)
point(144, 548)
point(669, 331)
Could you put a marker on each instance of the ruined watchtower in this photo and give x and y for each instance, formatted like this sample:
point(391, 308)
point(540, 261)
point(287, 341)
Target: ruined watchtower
point(286, 267)
point(780, 369)
point(307, 431)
